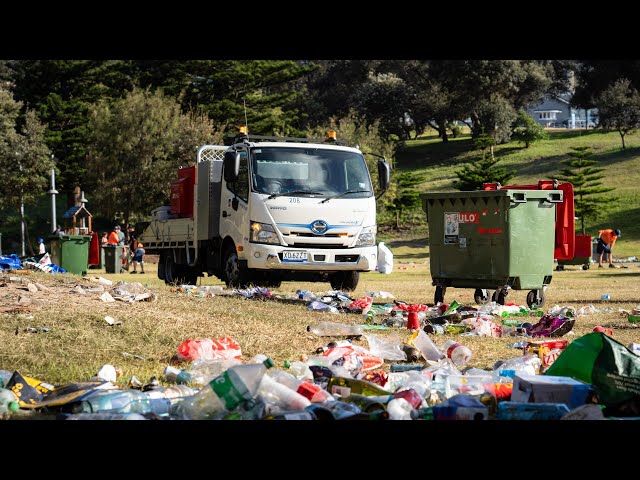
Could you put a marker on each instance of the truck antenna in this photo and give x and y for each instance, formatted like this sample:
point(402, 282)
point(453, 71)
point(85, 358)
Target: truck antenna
point(246, 122)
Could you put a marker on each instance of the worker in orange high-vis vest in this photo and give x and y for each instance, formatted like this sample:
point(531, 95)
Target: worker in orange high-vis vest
point(114, 236)
point(606, 240)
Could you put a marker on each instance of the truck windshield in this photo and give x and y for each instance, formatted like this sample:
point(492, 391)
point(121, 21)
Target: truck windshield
point(311, 171)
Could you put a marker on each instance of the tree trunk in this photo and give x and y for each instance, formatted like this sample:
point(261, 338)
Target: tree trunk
point(442, 131)
point(397, 219)
point(582, 224)
point(526, 144)
point(622, 137)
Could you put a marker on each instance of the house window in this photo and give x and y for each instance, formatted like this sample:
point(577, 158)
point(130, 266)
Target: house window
point(540, 115)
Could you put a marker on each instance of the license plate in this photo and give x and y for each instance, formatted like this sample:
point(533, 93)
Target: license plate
point(294, 256)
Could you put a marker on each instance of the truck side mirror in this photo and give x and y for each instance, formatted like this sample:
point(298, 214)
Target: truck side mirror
point(231, 166)
point(384, 175)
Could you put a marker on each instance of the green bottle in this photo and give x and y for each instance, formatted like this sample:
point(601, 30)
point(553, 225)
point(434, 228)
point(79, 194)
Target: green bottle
point(422, 414)
point(371, 403)
point(358, 387)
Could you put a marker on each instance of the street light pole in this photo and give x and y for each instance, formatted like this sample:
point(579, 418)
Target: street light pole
point(53, 192)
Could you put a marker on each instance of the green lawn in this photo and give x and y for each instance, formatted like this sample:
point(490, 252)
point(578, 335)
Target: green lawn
point(438, 161)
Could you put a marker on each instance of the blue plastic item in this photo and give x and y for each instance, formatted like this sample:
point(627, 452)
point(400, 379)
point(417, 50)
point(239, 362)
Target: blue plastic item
point(10, 262)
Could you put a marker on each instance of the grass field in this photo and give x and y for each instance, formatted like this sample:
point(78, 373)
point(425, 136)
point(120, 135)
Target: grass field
point(79, 341)
point(438, 161)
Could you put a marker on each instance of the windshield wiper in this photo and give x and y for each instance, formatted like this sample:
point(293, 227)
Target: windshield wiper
point(343, 194)
point(294, 192)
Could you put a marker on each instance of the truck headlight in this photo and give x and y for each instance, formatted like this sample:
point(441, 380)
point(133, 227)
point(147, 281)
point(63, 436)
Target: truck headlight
point(367, 237)
point(263, 233)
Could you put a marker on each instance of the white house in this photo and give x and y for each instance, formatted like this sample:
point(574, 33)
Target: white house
point(556, 112)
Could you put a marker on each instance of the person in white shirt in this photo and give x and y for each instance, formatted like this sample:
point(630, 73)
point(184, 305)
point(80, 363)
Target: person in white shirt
point(41, 248)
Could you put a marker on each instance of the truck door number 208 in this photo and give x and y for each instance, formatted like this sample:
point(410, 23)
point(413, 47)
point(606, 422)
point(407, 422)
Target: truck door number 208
point(294, 200)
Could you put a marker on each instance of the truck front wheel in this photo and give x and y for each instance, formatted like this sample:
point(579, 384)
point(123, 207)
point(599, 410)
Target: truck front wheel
point(345, 281)
point(234, 274)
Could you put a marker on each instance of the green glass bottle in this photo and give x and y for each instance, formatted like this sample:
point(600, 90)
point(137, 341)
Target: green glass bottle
point(369, 404)
point(359, 387)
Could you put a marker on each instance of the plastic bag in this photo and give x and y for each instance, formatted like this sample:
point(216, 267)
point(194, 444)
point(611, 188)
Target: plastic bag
point(386, 350)
point(209, 349)
point(385, 259)
point(355, 359)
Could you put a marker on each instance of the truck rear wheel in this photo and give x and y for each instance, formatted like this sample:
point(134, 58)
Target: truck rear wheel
point(234, 274)
point(169, 269)
point(161, 266)
point(345, 281)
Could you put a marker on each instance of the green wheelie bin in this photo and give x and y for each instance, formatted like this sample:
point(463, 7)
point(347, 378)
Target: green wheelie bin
point(492, 239)
point(112, 258)
point(71, 252)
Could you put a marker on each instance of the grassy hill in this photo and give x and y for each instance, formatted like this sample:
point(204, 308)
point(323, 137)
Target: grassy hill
point(438, 161)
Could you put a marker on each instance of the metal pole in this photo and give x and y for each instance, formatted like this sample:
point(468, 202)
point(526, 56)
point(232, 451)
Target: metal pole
point(22, 232)
point(53, 192)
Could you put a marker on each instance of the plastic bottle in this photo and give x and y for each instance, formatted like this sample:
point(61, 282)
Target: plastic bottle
point(8, 401)
point(314, 393)
point(338, 343)
point(385, 259)
point(403, 403)
point(526, 364)
point(225, 393)
point(422, 342)
point(5, 376)
point(104, 416)
point(280, 397)
point(459, 354)
point(122, 401)
point(300, 370)
point(332, 329)
point(205, 370)
point(174, 393)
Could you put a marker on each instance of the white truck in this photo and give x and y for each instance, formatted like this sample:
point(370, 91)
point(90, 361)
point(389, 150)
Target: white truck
point(267, 210)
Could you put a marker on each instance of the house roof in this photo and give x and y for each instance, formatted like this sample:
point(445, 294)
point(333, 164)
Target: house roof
point(73, 211)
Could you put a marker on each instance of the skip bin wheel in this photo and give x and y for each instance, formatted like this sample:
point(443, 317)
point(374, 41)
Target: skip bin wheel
point(481, 296)
point(535, 298)
point(559, 268)
point(499, 296)
point(586, 266)
point(438, 297)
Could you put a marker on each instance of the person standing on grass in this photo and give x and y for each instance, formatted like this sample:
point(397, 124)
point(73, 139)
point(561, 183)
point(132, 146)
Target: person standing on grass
point(606, 240)
point(114, 237)
point(138, 258)
point(41, 247)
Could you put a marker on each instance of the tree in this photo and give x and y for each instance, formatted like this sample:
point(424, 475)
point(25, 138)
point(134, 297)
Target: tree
point(472, 176)
point(595, 76)
point(138, 142)
point(24, 159)
point(585, 180)
point(526, 130)
point(619, 108)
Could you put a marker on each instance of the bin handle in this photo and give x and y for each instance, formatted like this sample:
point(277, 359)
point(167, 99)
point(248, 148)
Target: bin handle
point(519, 197)
point(555, 197)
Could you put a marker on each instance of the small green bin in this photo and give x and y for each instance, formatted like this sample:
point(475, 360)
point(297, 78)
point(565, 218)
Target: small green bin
point(71, 252)
point(496, 239)
point(112, 258)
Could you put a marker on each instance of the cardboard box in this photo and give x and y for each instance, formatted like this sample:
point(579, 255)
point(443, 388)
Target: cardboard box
point(550, 389)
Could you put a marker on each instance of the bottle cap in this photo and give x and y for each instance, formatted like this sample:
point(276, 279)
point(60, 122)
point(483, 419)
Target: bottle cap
point(287, 364)
point(268, 362)
point(14, 407)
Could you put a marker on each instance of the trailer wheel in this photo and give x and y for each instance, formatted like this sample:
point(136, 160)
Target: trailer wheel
point(481, 296)
point(345, 281)
point(234, 274)
point(438, 297)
